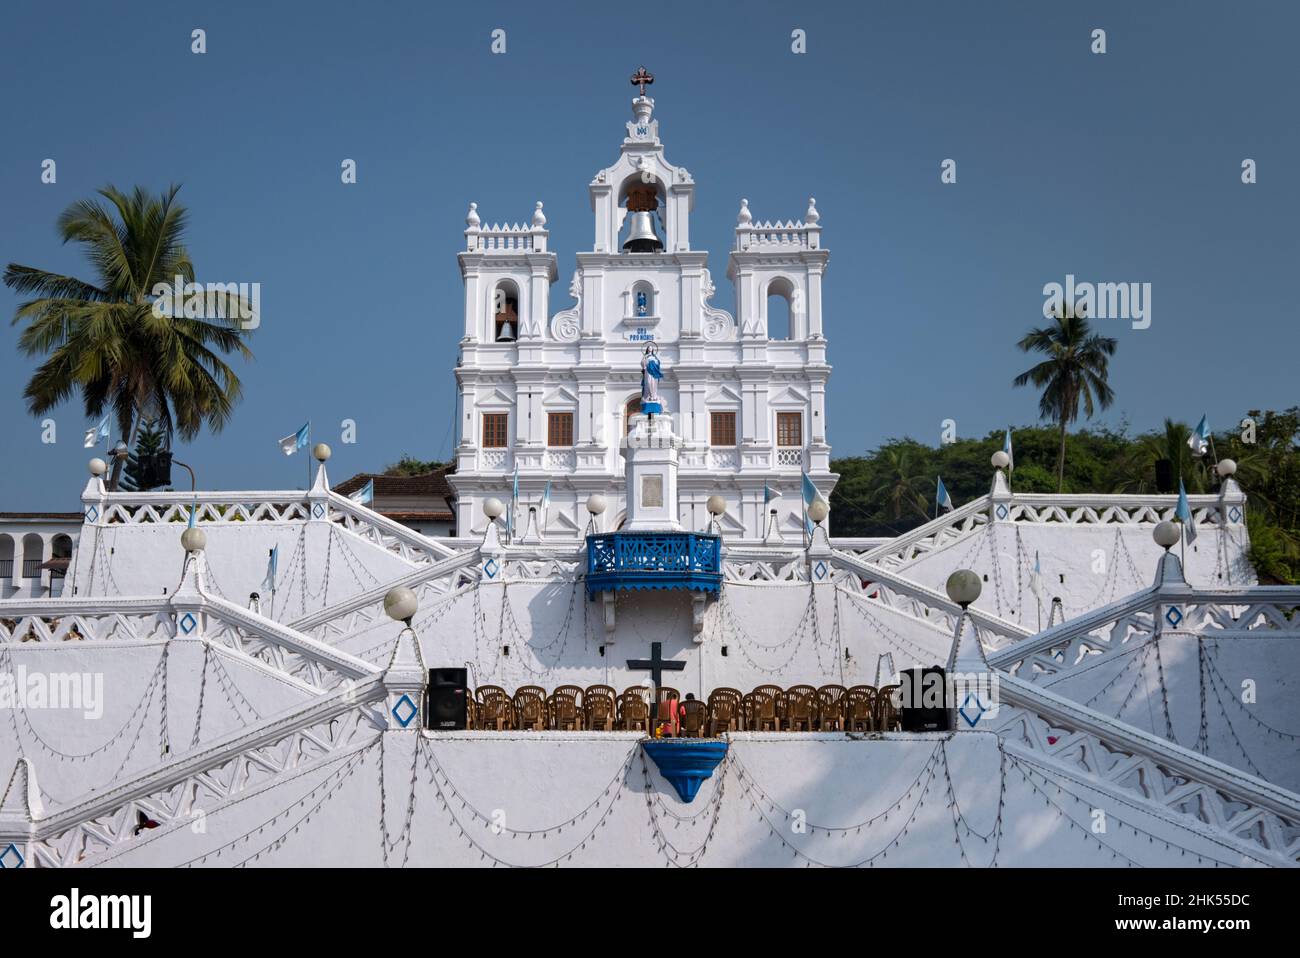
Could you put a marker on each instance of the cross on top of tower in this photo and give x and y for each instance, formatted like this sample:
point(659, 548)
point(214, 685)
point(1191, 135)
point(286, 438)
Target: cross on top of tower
point(642, 78)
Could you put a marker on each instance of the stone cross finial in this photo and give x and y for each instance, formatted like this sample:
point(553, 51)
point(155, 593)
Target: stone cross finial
point(642, 78)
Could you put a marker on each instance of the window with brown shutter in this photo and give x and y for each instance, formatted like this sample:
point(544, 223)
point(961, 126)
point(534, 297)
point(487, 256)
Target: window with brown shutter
point(494, 429)
point(789, 429)
point(722, 428)
point(559, 429)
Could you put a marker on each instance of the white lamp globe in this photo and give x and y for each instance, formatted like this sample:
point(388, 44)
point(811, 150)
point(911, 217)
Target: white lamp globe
point(194, 539)
point(98, 467)
point(320, 451)
point(492, 508)
point(1166, 534)
point(1001, 460)
point(1226, 468)
point(964, 587)
point(818, 510)
point(400, 604)
point(716, 505)
point(595, 504)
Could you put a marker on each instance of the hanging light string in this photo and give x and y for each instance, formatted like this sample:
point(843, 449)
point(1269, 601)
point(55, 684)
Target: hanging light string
point(228, 687)
point(1232, 732)
point(900, 642)
point(675, 857)
point(485, 855)
point(1028, 768)
point(352, 560)
point(331, 783)
point(203, 687)
point(959, 823)
point(439, 778)
point(733, 632)
point(869, 861)
point(1213, 670)
point(436, 611)
point(403, 838)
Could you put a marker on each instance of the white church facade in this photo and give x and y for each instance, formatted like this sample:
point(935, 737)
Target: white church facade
point(549, 394)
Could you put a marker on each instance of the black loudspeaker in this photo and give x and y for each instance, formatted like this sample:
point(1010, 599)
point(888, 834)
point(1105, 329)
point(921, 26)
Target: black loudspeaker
point(924, 695)
point(1164, 475)
point(444, 700)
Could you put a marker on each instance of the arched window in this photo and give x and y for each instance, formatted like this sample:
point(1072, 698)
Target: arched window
point(33, 555)
point(505, 312)
point(631, 409)
point(780, 318)
point(642, 299)
point(6, 557)
point(61, 548)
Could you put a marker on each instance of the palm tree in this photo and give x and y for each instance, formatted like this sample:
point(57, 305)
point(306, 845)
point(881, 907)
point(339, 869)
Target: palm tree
point(899, 486)
point(1138, 470)
point(105, 338)
point(1075, 371)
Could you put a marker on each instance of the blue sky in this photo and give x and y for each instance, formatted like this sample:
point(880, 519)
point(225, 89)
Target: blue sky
point(1123, 167)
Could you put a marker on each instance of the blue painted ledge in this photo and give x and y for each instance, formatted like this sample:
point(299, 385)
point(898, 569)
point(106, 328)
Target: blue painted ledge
point(685, 763)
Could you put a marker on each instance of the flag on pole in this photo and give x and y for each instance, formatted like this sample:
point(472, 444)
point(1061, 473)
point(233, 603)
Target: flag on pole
point(546, 503)
point(810, 495)
point(769, 494)
point(942, 500)
point(193, 511)
point(1199, 440)
point(275, 561)
point(1036, 577)
point(365, 495)
point(1006, 447)
point(96, 433)
point(296, 440)
point(1184, 514)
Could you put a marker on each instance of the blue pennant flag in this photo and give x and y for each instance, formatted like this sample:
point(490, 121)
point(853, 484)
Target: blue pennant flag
point(1006, 447)
point(810, 495)
point(514, 500)
point(296, 440)
point(1184, 514)
point(1199, 440)
point(365, 495)
point(942, 500)
point(769, 494)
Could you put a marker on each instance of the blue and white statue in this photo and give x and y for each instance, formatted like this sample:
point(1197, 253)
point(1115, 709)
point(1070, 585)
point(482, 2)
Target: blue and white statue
point(651, 373)
point(642, 302)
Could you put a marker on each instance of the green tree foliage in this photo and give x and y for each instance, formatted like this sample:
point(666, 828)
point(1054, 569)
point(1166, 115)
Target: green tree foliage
point(409, 465)
point(150, 439)
point(891, 490)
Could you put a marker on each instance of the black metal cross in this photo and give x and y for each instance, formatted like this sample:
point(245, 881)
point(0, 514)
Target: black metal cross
point(656, 665)
point(642, 78)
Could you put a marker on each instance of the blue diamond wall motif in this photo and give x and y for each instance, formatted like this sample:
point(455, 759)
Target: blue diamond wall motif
point(978, 710)
point(405, 707)
point(11, 857)
point(1234, 514)
point(188, 623)
point(820, 570)
point(1173, 616)
point(318, 510)
point(491, 567)
point(92, 514)
point(1002, 511)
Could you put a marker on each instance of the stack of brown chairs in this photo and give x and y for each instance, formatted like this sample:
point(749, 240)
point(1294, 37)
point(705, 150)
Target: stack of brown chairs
point(563, 713)
point(724, 711)
point(861, 709)
point(530, 708)
point(778, 700)
point(599, 708)
point(888, 704)
point(634, 710)
point(694, 716)
point(831, 705)
point(800, 708)
point(760, 711)
point(493, 708)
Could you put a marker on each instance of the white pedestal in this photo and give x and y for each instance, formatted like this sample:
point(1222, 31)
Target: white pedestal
point(650, 452)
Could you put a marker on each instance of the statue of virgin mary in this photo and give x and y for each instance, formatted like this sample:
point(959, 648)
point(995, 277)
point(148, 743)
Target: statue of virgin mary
point(651, 373)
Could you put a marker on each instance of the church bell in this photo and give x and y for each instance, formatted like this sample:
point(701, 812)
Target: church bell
point(641, 235)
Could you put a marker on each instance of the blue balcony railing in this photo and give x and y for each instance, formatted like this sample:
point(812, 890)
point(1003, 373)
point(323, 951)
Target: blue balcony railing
point(653, 560)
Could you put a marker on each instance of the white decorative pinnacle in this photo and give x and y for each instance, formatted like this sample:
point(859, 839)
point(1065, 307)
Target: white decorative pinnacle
point(745, 217)
point(539, 218)
point(471, 218)
point(812, 216)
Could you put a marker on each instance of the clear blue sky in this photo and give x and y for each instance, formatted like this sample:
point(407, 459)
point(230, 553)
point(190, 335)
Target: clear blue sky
point(1121, 167)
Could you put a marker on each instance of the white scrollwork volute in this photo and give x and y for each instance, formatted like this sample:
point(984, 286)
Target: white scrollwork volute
point(565, 325)
point(718, 326)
